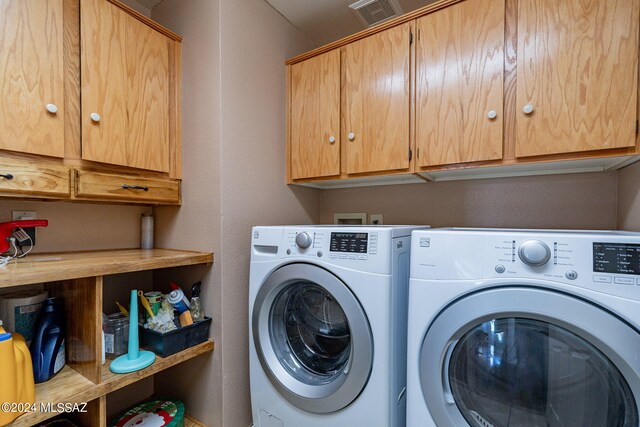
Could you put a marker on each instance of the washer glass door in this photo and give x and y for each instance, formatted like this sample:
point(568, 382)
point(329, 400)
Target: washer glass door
point(526, 356)
point(311, 332)
point(312, 338)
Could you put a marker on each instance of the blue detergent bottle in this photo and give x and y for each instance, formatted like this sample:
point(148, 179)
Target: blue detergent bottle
point(47, 346)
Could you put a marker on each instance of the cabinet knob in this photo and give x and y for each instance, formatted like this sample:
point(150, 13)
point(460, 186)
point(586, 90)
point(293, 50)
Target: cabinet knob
point(528, 109)
point(6, 176)
point(492, 114)
point(95, 117)
point(351, 136)
point(52, 108)
point(332, 139)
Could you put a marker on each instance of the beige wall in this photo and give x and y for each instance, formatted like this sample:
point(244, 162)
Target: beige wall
point(557, 201)
point(255, 42)
point(80, 226)
point(234, 142)
point(196, 224)
point(629, 198)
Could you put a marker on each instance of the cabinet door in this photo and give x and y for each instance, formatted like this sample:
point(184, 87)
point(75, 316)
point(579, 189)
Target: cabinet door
point(147, 96)
point(125, 89)
point(315, 117)
point(576, 75)
point(31, 77)
point(459, 83)
point(103, 76)
point(376, 102)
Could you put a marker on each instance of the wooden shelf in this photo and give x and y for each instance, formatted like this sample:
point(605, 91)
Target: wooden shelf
point(39, 268)
point(71, 387)
point(111, 381)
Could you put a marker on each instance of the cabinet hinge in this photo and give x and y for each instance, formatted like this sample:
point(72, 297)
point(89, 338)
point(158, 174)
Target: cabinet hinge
point(410, 154)
point(410, 38)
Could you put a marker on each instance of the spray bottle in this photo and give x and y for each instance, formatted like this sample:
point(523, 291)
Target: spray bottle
point(196, 306)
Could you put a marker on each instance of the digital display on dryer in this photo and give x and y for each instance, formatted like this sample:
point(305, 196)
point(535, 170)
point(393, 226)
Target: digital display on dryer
point(620, 258)
point(349, 242)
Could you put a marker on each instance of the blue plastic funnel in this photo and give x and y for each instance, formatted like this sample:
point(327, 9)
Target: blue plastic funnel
point(135, 359)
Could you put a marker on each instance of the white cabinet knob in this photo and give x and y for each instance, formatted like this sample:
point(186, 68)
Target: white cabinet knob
point(351, 136)
point(528, 109)
point(52, 108)
point(492, 114)
point(332, 139)
point(95, 117)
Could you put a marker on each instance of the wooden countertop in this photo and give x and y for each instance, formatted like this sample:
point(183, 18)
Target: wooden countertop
point(51, 267)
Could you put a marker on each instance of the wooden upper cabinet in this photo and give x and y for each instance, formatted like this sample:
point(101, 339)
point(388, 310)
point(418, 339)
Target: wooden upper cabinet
point(376, 102)
point(315, 116)
point(577, 74)
point(459, 83)
point(125, 89)
point(31, 77)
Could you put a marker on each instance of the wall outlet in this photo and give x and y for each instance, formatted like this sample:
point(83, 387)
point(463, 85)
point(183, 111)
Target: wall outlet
point(18, 215)
point(31, 231)
point(376, 219)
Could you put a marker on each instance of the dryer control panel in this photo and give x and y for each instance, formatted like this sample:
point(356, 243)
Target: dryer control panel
point(603, 261)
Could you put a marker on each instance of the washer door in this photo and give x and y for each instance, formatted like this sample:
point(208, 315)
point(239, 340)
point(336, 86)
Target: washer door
point(312, 338)
point(530, 357)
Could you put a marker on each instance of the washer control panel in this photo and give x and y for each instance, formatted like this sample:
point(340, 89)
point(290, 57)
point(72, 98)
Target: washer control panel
point(333, 245)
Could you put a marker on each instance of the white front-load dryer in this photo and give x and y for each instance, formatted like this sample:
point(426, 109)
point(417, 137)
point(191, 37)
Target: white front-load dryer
point(327, 325)
point(524, 328)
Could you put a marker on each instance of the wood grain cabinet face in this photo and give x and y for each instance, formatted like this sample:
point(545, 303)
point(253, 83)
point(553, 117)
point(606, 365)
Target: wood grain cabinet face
point(459, 83)
point(104, 186)
point(315, 116)
point(125, 89)
point(31, 77)
point(376, 102)
point(24, 178)
point(577, 73)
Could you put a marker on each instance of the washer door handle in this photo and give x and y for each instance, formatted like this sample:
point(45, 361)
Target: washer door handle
point(446, 384)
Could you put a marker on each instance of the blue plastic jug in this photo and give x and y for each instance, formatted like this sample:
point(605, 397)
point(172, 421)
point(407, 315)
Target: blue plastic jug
point(47, 346)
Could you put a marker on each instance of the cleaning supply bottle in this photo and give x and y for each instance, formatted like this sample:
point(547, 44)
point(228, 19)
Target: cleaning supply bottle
point(47, 346)
point(17, 374)
point(196, 306)
point(178, 299)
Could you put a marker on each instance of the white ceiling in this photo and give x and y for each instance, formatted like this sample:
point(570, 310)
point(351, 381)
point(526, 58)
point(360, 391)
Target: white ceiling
point(149, 4)
point(324, 21)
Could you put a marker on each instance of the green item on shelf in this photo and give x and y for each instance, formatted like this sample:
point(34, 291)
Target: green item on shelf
point(156, 413)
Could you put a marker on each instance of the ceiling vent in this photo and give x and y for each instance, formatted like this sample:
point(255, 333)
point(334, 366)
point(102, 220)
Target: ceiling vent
point(373, 12)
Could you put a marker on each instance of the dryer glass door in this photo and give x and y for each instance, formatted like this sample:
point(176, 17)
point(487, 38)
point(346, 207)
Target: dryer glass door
point(517, 356)
point(525, 372)
point(312, 338)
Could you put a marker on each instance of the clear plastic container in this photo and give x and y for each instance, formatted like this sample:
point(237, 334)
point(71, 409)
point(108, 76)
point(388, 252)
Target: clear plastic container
point(116, 334)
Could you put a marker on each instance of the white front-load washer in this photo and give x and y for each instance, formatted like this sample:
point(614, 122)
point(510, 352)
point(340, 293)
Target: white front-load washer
point(524, 328)
point(327, 325)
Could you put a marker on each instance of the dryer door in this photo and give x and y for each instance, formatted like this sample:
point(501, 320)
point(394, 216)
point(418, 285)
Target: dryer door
point(517, 356)
point(312, 338)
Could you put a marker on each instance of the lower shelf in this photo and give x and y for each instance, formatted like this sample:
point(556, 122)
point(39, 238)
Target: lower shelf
point(71, 387)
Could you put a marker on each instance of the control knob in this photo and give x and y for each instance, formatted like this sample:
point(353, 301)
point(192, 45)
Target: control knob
point(303, 240)
point(534, 253)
